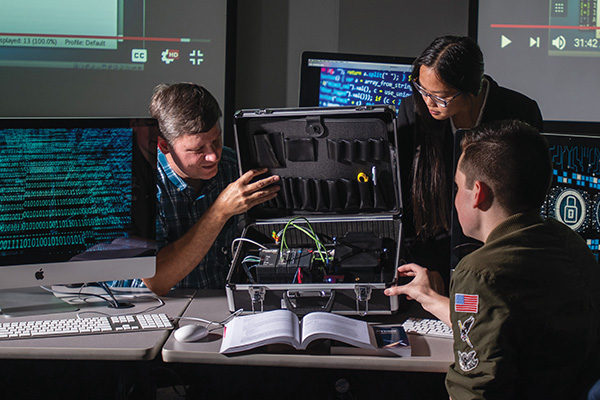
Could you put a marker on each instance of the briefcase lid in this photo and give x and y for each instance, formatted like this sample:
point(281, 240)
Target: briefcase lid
point(331, 160)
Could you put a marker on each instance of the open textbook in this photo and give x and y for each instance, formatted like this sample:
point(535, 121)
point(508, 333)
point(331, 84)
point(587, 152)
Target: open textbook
point(284, 327)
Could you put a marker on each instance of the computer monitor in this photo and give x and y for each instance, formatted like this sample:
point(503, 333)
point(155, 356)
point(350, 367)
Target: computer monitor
point(77, 200)
point(55, 53)
point(336, 79)
point(574, 197)
point(545, 49)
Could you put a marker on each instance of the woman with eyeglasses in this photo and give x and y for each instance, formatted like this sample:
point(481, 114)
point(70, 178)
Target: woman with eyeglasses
point(450, 92)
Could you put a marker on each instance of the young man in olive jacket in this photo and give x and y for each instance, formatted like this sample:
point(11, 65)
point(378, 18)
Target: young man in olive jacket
point(524, 307)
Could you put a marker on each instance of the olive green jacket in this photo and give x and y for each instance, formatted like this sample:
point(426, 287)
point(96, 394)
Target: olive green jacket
point(525, 312)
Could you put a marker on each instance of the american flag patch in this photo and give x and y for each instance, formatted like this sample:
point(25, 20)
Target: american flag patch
point(466, 303)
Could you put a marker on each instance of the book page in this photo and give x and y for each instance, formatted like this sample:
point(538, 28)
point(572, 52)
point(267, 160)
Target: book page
point(320, 325)
point(250, 331)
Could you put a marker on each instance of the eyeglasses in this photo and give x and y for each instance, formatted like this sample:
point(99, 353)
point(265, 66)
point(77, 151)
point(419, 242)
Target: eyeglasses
point(437, 100)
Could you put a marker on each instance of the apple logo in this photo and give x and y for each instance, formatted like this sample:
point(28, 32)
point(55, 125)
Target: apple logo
point(39, 275)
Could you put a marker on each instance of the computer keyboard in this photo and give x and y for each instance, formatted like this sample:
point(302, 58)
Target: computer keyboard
point(429, 327)
point(84, 326)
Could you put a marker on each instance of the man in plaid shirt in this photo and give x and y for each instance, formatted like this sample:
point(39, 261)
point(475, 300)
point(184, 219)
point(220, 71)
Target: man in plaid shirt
point(198, 190)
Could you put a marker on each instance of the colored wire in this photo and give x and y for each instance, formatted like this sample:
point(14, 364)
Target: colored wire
point(83, 296)
point(249, 259)
point(144, 311)
point(209, 323)
point(79, 295)
point(313, 236)
point(320, 248)
point(241, 239)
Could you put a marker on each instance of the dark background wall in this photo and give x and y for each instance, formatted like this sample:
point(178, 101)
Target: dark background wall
point(272, 34)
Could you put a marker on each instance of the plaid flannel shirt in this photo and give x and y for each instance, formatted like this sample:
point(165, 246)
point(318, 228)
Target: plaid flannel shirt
point(179, 208)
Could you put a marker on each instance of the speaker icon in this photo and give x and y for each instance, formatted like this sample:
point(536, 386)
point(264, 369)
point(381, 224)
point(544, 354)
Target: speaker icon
point(559, 42)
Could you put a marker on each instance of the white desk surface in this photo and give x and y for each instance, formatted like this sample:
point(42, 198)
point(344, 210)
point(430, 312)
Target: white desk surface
point(428, 354)
point(113, 346)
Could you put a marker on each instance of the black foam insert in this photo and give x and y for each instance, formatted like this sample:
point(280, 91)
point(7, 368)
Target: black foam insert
point(332, 162)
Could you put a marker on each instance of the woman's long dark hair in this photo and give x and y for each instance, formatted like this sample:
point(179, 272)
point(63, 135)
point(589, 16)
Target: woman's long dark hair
point(458, 62)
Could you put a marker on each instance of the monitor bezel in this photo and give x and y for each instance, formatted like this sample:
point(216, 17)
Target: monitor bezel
point(309, 82)
point(65, 272)
point(575, 128)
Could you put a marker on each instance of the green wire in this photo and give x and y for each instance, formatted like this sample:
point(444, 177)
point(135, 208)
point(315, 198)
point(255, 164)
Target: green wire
point(314, 237)
point(310, 234)
point(316, 240)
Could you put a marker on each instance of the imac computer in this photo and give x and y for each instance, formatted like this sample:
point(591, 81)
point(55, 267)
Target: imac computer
point(336, 79)
point(77, 201)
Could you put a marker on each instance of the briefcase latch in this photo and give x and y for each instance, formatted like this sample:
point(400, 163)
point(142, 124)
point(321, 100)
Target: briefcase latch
point(257, 295)
point(363, 295)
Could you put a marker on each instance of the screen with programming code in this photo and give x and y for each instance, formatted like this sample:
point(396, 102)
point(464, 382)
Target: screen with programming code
point(330, 79)
point(574, 196)
point(65, 191)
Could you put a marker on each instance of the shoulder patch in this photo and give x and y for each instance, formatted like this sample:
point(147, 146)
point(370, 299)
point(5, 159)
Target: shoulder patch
point(468, 361)
point(464, 328)
point(466, 303)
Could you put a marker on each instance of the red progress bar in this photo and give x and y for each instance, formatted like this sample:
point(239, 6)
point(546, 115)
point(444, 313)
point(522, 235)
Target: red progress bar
point(544, 26)
point(140, 38)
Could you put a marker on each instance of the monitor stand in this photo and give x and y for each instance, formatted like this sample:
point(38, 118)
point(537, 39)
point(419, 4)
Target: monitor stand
point(31, 301)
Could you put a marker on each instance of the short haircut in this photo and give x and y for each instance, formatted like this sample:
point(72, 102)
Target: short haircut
point(183, 108)
point(513, 159)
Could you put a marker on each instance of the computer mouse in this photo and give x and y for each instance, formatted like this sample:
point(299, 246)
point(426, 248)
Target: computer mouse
point(190, 333)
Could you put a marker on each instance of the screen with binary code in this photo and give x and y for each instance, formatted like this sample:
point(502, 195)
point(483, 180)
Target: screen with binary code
point(65, 191)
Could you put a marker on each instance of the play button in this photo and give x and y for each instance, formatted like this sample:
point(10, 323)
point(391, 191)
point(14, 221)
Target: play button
point(504, 41)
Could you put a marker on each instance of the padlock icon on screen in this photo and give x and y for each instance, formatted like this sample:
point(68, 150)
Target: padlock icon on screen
point(571, 213)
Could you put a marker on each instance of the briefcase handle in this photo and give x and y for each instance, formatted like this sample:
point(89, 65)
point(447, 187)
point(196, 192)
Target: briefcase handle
point(302, 302)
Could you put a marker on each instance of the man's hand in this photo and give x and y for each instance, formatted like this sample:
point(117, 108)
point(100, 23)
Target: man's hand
point(426, 288)
point(177, 259)
point(241, 195)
